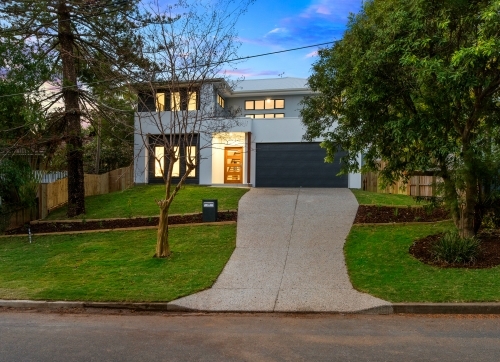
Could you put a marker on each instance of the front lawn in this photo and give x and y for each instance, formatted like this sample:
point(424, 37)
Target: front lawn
point(114, 266)
point(379, 264)
point(374, 198)
point(140, 201)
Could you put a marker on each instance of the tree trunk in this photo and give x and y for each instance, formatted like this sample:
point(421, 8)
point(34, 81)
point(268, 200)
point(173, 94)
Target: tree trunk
point(98, 149)
point(451, 199)
point(468, 212)
point(74, 150)
point(162, 247)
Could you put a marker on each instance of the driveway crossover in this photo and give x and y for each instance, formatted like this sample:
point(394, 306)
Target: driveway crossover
point(288, 257)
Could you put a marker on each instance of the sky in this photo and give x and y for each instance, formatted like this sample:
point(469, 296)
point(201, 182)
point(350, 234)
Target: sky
point(271, 26)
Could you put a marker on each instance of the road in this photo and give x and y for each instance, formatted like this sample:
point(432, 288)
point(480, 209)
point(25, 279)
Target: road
point(38, 336)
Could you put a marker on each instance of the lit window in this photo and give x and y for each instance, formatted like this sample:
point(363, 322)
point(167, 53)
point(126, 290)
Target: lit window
point(266, 115)
point(220, 100)
point(160, 102)
point(159, 160)
point(191, 158)
point(265, 104)
point(259, 104)
point(175, 101)
point(192, 102)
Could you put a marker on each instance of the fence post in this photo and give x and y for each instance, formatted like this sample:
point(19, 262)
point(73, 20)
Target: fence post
point(417, 186)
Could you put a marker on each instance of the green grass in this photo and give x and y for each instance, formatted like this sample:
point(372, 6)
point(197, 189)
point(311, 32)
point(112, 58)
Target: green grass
point(140, 201)
point(114, 266)
point(379, 264)
point(374, 198)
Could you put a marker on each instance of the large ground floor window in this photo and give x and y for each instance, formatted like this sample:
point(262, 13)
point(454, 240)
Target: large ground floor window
point(186, 150)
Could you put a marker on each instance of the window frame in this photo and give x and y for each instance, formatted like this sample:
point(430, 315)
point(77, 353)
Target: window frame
point(263, 115)
point(221, 101)
point(184, 100)
point(179, 166)
point(266, 102)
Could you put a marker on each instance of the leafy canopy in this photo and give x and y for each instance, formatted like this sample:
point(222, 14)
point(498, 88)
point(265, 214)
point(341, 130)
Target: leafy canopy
point(412, 82)
point(416, 84)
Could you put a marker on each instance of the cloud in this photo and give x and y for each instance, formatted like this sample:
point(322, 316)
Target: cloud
point(321, 21)
point(276, 30)
point(312, 54)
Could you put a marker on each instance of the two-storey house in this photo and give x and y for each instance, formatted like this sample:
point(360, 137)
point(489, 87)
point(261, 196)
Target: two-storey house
point(265, 148)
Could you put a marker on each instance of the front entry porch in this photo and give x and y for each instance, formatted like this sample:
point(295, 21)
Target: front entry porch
point(231, 159)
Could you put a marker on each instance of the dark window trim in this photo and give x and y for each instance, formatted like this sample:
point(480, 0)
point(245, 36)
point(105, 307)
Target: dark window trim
point(184, 99)
point(252, 115)
point(154, 141)
point(265, 100)
point(219, 97)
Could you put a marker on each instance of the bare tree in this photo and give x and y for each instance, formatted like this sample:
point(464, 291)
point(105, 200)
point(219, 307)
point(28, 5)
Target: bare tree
point(179, 111)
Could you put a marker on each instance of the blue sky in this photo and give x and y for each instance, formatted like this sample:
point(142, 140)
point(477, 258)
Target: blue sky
point(270, 26)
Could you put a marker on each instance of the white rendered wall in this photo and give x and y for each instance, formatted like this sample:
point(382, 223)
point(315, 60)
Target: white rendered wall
point(211, 167)
point(354, 180)
point(140, 161)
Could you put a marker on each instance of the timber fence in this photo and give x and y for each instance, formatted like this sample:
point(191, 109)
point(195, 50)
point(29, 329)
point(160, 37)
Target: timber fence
point(55, 194)
point(417, 185)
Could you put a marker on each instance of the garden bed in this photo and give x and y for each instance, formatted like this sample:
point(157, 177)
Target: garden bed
point(368, 214)
point(82, 225)
point(489, 251)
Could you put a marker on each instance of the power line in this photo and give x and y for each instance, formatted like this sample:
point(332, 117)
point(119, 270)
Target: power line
point(203, 65)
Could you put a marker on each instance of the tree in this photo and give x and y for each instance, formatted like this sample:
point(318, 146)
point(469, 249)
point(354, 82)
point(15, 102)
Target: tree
point(18, 188)
point(416, 84)
point(188, 49)
point(88, 44)
point(21, 118)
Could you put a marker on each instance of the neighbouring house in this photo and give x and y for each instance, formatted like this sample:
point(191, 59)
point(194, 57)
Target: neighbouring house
point(265, 148)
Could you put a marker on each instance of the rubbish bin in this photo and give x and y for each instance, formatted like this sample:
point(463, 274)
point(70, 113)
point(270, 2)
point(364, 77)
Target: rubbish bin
point(209, 210)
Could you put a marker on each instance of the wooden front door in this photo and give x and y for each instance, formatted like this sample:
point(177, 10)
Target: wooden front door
point(233, 165)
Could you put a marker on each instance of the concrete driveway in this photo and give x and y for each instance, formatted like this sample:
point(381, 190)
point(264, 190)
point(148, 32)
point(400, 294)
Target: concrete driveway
point(288, 257)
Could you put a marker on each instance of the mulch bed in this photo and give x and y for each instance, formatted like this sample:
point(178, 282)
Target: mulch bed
point(386, 214)
point(489, 256)
point(54, 227)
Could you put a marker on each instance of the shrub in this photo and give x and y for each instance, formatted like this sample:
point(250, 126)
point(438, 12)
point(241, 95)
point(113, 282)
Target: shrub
point(453, 249)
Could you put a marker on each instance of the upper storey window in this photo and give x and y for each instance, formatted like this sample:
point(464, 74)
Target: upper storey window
point(160, 102)
point(220, 101)
point(177, 101)
point(264, 104)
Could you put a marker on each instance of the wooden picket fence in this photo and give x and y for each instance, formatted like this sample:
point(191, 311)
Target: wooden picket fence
point(417, 185)
point(55, 194)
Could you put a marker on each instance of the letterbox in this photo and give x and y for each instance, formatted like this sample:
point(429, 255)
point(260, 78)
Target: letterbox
point(209, 210)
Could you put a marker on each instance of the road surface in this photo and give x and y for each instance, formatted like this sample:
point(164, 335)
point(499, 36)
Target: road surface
point(38, 336)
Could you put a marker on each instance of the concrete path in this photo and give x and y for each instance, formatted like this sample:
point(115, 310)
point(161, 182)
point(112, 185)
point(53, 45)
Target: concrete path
point(288, 257)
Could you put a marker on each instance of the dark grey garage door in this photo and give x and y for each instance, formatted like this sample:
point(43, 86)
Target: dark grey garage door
point(296, 165)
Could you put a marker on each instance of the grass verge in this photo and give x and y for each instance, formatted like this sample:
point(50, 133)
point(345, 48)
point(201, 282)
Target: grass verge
point(379, 264)
point(114, 266)
point(140, 201)
point(374, 198)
